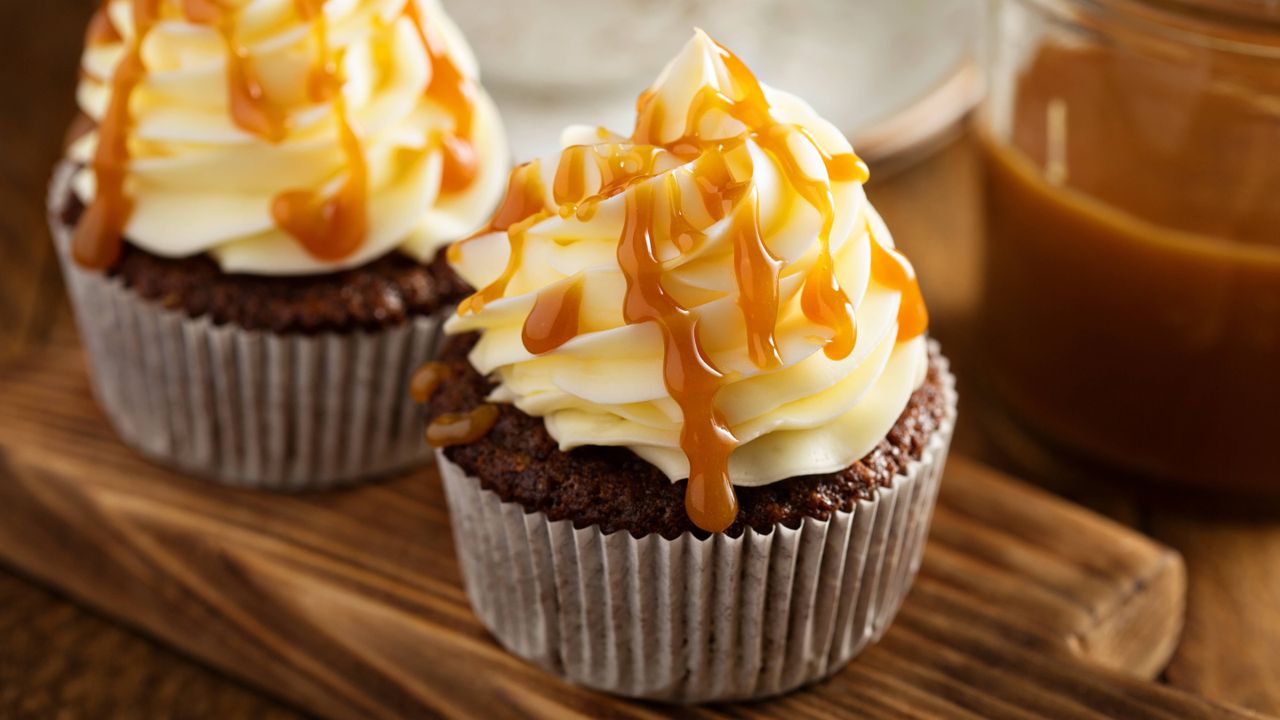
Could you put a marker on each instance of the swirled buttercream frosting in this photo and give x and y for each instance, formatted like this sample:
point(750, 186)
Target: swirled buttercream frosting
point(712, 291)
point(281, 136)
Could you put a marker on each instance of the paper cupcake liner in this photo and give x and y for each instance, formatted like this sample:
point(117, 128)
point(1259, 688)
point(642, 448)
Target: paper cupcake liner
point(248, 408)
point(691, 620)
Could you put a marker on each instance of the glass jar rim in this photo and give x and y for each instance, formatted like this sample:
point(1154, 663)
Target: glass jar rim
point(1248, 27)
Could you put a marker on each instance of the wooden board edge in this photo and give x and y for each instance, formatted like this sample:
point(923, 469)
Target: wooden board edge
point(1121, 636)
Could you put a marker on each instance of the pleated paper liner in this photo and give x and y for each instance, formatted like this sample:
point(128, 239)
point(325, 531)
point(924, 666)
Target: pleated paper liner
point(689, 620)
point(284, 411)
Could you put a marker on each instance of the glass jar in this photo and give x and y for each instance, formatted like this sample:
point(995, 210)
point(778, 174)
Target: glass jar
point(1131, 310)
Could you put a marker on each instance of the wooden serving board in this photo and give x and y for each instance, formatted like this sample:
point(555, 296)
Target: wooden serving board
point(349, 603)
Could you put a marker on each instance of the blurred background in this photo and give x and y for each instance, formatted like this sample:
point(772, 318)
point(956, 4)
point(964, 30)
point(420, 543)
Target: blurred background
point(1089, 191)
point(587, 61)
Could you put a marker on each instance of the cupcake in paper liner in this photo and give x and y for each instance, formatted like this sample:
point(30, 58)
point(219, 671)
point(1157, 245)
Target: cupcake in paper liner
point(690, 427)
point(248, 216)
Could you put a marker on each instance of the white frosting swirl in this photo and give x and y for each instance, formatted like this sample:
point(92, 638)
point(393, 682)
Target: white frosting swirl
point(199, 183)
point(605, 386)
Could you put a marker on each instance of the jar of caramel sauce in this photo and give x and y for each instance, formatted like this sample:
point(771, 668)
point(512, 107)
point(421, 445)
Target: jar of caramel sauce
point(1131, 306)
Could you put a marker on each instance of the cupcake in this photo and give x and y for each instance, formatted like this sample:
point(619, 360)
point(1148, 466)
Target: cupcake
point(248, 216)
point(690, 426)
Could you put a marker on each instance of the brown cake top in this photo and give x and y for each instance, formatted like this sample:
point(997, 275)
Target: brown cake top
point(386, 292)
point(613, 489)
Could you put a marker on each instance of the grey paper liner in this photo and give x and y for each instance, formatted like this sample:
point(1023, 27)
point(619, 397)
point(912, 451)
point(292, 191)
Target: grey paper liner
point(690, 620)
point(248, 408)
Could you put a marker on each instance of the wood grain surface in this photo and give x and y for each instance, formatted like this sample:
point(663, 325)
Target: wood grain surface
point(54, 664)
point(350, 604)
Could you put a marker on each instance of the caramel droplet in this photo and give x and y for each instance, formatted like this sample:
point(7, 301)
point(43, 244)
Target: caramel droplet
point(571, 175)
point(710, 502)
point(426, 380)
point(554, 318)
point(462, 428)
point(461, 164)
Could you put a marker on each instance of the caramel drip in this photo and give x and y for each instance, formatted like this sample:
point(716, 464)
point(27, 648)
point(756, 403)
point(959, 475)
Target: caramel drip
point(685, 235)
point(97, 240)
point(456, 93)
point(462, 428)
point(554, 318)
point(822, 299)
point(824, 302)
point(249, 107)
point(842, 168)
point(329, 228)
point(571, 176)
point(756, 271)
point(101, 30)
point(891, 269)
point(688, 373)
point(524, 204)
point(323, 78)
point(426, 380)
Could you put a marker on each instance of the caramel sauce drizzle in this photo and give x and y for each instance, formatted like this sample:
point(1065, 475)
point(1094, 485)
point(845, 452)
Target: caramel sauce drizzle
point(619, 167)
point(426, 380)
point(96, 243)
point(756, 271)
point(329, 228)
point(323, 78)
point(249, 106)
point(690, 376)
point(685, 234)
point(523, 206)
point(462, 428)
point(892, 269)
point(456, 93)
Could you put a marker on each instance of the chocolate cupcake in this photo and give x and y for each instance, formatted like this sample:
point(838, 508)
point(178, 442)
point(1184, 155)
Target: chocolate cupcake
point(691, 428)
point(247, 217)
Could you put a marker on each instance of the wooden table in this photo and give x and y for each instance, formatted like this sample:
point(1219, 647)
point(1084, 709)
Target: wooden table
point(57, 659)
